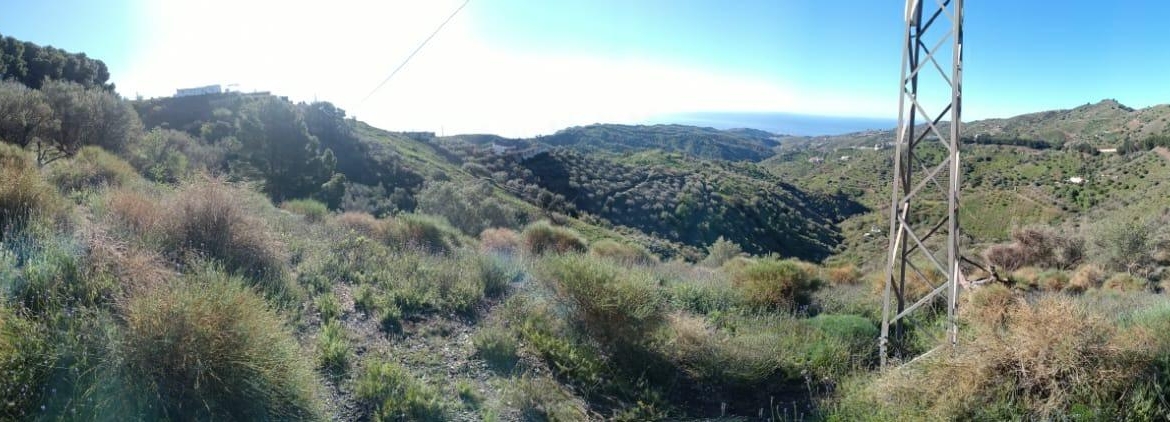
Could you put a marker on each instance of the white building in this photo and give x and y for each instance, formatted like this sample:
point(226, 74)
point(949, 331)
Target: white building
point(1076, 180)
point(203, 90)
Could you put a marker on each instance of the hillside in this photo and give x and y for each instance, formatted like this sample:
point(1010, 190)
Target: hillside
point(1105, 124)
point(244, 257)
point(701, 142)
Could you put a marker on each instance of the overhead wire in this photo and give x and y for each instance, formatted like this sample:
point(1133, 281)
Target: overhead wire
point(416, 50)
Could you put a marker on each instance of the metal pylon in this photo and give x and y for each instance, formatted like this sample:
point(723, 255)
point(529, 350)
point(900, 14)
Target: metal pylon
point(926, 178)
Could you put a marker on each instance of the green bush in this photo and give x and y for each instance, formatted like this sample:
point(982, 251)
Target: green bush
point(775, 284)
point(424, 232)
point(614, 304)
point(721, 251)
point(1126, 283)
point(24, 351)
point(209, 219)
point(622, 252)
point(497, 346)
point(393, 394)
point(542, 237)
point(313, 211)
point(328, 306)
point(24, 195)
point(333, 348)
point(91, 167)
point(208, 347)
point(55, 276)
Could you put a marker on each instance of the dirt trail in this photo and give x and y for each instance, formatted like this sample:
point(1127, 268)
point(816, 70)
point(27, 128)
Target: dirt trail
point(1165, 153)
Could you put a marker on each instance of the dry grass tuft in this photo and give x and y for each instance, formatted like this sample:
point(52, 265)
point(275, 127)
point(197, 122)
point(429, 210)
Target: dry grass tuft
point(1088, 276)
point(361, 223)
point(1124, 282)
point(210, 348)
point(499, 240)
point(24, 195)
point(847, 274)
point(542, 237)
point(209, 219)
point(623, 253)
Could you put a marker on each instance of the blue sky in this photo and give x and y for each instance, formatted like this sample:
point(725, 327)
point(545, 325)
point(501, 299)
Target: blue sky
point(521, 67)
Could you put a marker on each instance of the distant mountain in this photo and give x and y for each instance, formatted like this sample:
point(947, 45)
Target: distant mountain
point(1105, 124)
point(783, 123)
point(702, 142)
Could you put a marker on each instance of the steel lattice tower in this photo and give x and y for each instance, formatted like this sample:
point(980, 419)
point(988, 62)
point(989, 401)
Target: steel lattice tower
point(925, 195)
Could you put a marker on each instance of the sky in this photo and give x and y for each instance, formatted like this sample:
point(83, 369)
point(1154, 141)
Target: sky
point(525, 67)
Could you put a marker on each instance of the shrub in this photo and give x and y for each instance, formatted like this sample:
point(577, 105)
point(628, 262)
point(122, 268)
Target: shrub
point(497, 346)
point(392, 393)
point(24, 195)
point(720, 252)
point(1006, 258)
point(542, 237)
point(55, 277)
point(844, 274)
point(616, 305)
point(208, 347)
point(91, 167)
point(423, 232)
point(499, 240)
point(209, 220)
point(136, 212)
point(1025, 278)
point(704, 293)
point(775, 284)
point(541, 398)
point(24, 349)
point(333, 348)
point(361, 223)
point(470, 207)
point(623, 253)
point(1052, 280)
point(1126, 283)
point(494, 275)
point(1088, 276)
point(313, 211)
point(1050, 358)
point(328, 306)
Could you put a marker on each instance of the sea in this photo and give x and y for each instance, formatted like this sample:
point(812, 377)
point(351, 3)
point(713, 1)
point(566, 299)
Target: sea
point(778, 123)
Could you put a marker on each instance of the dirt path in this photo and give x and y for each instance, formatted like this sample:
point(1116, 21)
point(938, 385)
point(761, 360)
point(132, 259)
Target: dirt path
point(1165, 153)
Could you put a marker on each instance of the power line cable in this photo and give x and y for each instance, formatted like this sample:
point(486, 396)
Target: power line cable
point(416, 50)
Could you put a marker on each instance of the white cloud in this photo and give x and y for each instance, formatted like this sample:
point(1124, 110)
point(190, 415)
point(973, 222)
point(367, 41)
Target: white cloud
point(340, 50)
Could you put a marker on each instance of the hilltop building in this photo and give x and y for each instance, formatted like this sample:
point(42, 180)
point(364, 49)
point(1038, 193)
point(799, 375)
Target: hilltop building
point(202, 90)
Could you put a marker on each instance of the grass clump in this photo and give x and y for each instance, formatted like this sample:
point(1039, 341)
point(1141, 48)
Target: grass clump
point(24, 194)
point(208, 347)
point(24, 350)
point(499, 240)
point(328, 306)
point(612, 303)
point(623, 253)
point(542, 237)
point(209, 219)
point(1124, 282)
point(391, 393)
point(313, 211)
point(361, 223)
point(497, 346)
point(541, 398)
point(1088, 276)
point(847, 274)
point(1033, 361)
point(90, 168)
point(423, 232)
point(334, 351)
point(775, 284)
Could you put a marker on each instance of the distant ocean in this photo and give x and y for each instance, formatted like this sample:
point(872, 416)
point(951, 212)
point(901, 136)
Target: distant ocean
point(778, 123)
